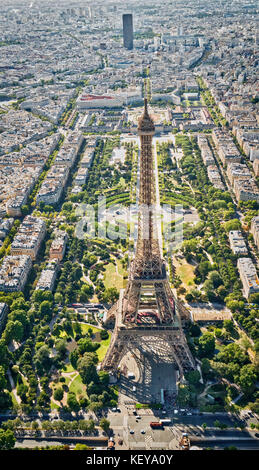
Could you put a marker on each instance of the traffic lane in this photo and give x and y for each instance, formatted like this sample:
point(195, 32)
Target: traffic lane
point(208, 420)
point(221, 444)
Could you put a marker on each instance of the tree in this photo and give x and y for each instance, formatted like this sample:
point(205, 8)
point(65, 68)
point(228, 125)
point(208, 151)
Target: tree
point(82, 447)
point(105, 424)
point(193, 377)
point(203, 268)
point(72, 402)
point(247, 379)
point(217, 423)
point(104, 377)
point(184, 395)
point(5, 400)
point(86, 367)
point(45, 308)
point(95, 406)
point(215, 278)
point(104, 334)
point(22, 390)
point(206, 345)
point(7, 439)
point(58, 297)
point(42, 359)
point(232, 353)
point(110, 295)
point(3, 381)
point(194, 330)
point(228, 325)
point(14, 330)
point(35, 425)
point(43, 399)
point(254, 407)
point(77, 328)
point(254, 298)
point(73, 357)
point(61, 346)
point(233, 224)
point(58, 394)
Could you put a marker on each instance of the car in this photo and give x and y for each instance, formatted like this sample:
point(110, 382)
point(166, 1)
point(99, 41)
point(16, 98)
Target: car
point(163, 412)
point(118, 410)
point(114, 409)
point(143, 431)
point(135, 412)
point(132, 431)
point(134, 389)
point(138, 417)
point(189, 414)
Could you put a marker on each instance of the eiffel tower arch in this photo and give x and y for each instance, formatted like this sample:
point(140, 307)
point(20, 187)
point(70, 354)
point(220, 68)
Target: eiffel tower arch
point(147, 316)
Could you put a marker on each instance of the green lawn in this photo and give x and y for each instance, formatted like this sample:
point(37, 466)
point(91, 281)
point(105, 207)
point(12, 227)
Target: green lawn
point(68, 368)
point(85, 328)
point(103, 348)
point(69, 377)
point(112, 278)
point(14, 399)
point(53, 406)
point(186, 272)
point(77, 386)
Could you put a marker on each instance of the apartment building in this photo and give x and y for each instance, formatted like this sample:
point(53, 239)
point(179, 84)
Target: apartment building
point(14, 206)
point(238, 171)
point(248, 276)
point(14, 272)
point(225, 146)
point(3, 315)
point(255, 230)
point(5, 227)
point(256, 167)
point(246, 190)
point(58, 246)
point(48, 276)
point(214, 177)
point(28, 239)
point(206, 152)
point(237, 242)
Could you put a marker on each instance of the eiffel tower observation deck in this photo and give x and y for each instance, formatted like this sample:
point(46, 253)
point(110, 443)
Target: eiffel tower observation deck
point(147, 312)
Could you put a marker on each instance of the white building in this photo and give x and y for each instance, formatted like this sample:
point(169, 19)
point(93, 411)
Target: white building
point(248, 276)
point(237, 242)
point(86, 101)
point(255, 230)
point(14, 273)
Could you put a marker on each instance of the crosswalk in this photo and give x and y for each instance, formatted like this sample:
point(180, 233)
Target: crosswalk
point(148, 440)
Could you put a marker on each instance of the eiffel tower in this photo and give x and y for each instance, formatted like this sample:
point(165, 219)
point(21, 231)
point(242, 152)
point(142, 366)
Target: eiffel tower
point(147, 316)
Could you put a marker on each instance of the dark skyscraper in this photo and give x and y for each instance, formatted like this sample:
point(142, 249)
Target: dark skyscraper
point(127, 31)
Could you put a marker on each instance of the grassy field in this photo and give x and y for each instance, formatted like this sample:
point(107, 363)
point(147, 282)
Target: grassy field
point(14, 399)
point(185, 271)
point(114, 277)
point(54, 406)
point(68, 368)
point(77, 386)
point(103, 348)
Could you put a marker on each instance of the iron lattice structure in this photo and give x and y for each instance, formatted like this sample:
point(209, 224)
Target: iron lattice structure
point(147, 310)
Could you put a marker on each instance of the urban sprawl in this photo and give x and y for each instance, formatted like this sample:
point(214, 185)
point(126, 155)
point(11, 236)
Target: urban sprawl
point(81, 85)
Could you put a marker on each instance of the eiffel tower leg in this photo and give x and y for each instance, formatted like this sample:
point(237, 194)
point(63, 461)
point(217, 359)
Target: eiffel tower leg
point(181, 352)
